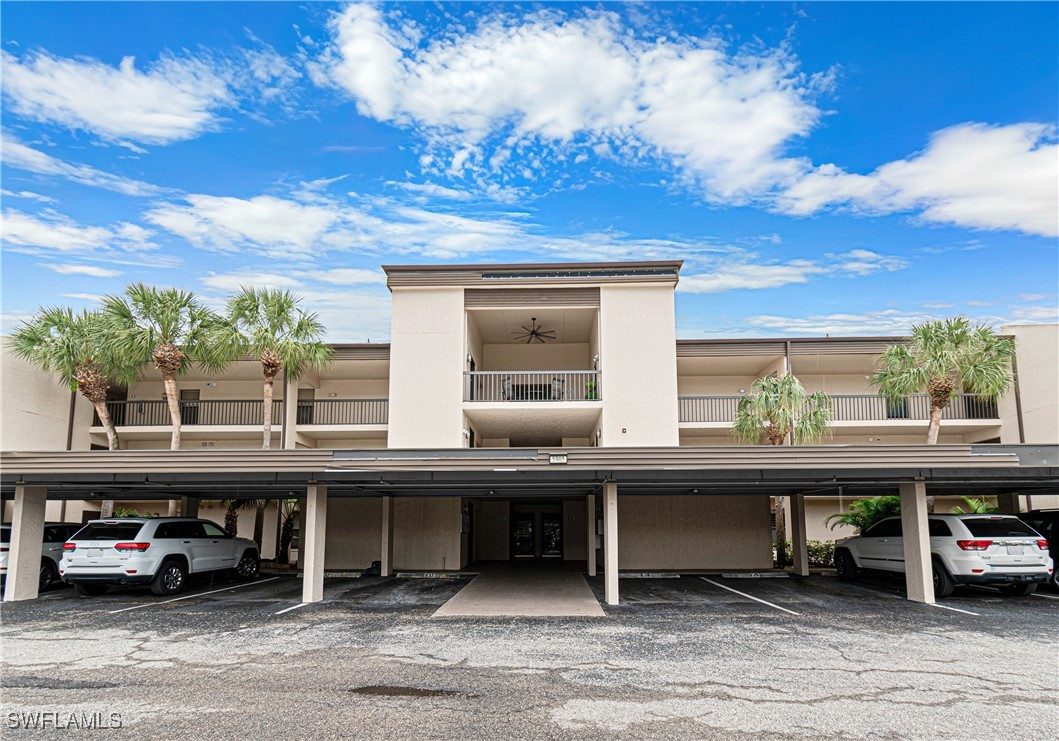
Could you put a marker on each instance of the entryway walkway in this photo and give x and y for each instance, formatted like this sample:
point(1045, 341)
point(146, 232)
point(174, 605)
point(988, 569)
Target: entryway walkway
point(524, 594)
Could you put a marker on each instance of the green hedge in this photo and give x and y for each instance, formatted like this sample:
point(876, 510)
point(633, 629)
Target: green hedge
point(821, 553)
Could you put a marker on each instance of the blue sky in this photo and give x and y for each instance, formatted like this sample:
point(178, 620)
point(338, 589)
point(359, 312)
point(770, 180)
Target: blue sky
point(840, 168)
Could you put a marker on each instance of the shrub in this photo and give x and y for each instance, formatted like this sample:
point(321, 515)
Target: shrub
point(821, 553)
point(866, 512)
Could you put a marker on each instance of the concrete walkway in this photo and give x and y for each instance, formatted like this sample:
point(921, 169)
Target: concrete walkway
point(523, 594)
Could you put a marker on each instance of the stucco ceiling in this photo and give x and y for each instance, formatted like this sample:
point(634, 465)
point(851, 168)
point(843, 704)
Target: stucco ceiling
point(500, 326)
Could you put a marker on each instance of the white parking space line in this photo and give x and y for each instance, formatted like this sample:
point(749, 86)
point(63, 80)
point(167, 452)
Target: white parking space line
point(748, 596)
point(301, 604)
point(956, 609)
point(190, 596)
point(1046, 596)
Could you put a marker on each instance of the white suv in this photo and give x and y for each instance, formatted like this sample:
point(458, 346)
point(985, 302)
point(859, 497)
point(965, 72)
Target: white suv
point(55, 534)
point(993, 550)
point(159, 551)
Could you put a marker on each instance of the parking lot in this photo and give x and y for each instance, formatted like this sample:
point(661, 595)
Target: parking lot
point(704, 656)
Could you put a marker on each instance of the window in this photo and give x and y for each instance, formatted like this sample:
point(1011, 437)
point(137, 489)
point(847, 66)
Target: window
point(1044, 527)
point(212, 531)
point(886, 529)
point(5, 535)
point(110, 531)
point(999, 527)
point(938, 528)
point(178, 530)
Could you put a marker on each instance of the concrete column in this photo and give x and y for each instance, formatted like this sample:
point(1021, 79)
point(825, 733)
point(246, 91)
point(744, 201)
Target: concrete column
point(313, 537)
point(919, 577)
point(174, 508)
point(591, 508)
point(1008, 503)
point(610, 542)
point(799, 546)
point(189, 506)
point(290, 413)
point(27, 535)
point(386, 561)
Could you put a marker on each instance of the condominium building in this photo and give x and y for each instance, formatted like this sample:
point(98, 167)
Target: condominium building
point(512, 406)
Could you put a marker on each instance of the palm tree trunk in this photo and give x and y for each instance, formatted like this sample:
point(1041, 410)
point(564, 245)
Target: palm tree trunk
point(935, 424)
point(259, 522)
point(266, 441)
point(106, 508)
point(231, 518)
point(781, 534)
point(108, 424)
point(173, 400)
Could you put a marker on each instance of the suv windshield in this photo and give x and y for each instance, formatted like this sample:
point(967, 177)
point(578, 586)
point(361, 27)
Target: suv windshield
point(1001, 527)
point(109, 531)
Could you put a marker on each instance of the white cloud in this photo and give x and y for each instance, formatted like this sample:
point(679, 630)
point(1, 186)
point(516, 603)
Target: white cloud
point(887, 322)
point(744, 272)
point(50, 231)
point(174, 99)
point(722, 117)
point(1031, 297)
point(971, 175)
point(232, 282)
point(18, 155)
point(1034, 315)
point(27, 194)
point(432, 190)
point(346, 276)
point(93, 271)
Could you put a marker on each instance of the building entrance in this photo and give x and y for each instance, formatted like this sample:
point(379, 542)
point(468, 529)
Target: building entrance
point(536, 532)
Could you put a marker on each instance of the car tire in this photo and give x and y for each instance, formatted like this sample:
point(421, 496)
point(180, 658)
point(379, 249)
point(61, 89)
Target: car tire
point(1022, 589)
point(90, 590)
point(48, 574)
point(943, 583)
point(845, 565)
point(170, 579)
point(249, 566)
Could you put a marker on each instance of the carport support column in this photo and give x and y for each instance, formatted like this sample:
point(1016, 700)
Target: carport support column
point(919, 579)
point(591, 509)
point(312, 543)
point(189, 506)
point(610, 542)
point(799, 544)
point(27, 534)
point(386, 560)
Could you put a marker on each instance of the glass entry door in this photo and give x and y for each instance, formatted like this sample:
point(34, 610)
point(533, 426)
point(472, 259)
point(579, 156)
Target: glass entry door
point(523, 535)
point(551, 535)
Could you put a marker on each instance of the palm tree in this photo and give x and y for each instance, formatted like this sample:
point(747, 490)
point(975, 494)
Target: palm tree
point(975, 507)
point(778, 406)
point(69, 345)
point(231, 513)
point(775, 408)
point(943, 358)
point(168, 327)
point(288, 513)
point(866, 512)
point(269, 324)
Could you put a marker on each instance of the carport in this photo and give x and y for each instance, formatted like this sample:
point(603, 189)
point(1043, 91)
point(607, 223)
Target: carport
point(591, 473)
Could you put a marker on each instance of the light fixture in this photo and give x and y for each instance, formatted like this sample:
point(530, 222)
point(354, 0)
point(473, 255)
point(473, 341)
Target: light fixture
point(469, 359)
point(742, 391)
point(467, 434)
point(694, 491)
point(599, 434)
point(332, 395)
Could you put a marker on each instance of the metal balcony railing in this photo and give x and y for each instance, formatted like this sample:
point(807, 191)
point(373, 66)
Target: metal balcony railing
point(849, 408)
point(343, 412)
point(247, 412)
point(532, 385)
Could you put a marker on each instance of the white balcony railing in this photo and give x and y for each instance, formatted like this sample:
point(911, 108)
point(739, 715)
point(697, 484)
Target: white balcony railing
point(532, 386)
point(849, 408)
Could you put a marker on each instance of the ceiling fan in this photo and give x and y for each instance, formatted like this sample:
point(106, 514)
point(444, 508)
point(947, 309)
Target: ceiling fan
point(534, 333)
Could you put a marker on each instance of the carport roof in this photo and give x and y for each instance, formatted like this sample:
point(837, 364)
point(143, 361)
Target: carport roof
point(817, 469)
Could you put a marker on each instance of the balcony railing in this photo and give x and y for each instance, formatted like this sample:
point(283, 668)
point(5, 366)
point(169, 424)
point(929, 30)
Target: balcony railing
point(343, 412)
point(532, 386)
point(247, 412)
point(849, 408)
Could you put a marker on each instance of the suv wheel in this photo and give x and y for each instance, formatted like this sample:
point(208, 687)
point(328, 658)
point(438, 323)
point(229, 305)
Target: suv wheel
point(170, 579)
point(248, 567)
point(48, 574)
point(1023, 589)
point(943, 583)
point(845, 565)
point(91, 590)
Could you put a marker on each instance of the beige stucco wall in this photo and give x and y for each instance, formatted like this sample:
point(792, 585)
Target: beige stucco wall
point(556, 356)
point(639, 365)
point(354, 533)
point(35, 408)
point(693, 532)
point(575, 530)
point(427, 533)
point(492, 530)
point(1037, 354)
point(427, 357)
point(713, 385)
